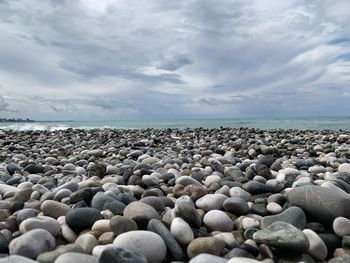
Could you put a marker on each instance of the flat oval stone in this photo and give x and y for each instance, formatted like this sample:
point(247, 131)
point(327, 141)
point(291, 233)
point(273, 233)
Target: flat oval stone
point(187, 211)
point(102, 225)
point(283, 235)
point(87, 242)
point(32, 243)
point(236, 205)
point(141, 213)
point(209, 245)
point(41, 222)
point(317, 248)
point(239, 192)
point(54, 209)
point(341, 226)
point(82, 218)
point(73, 257)
point(182, 231)
point(211, 202)
point(217, 220)
point(121, 224)
point(150, 244)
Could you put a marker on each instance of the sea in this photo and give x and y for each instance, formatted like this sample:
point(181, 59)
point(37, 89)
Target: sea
point(314, 123)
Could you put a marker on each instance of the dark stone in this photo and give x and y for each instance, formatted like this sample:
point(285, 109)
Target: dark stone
point(126, 198)
point(332, 241)
point(85, 194)
point(159, 228)
point(82, 218)
point(12, 168)
point(120, 224)
point(293, 215)
point(156, 202)
point(34, 169)
point(255, 187)
point(98, 170)
point(320, 203)
point(100, 199)
point(116, 207)
point(4, 244)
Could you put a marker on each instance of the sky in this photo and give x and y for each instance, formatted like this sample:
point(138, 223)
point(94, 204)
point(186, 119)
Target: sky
point(156, 59)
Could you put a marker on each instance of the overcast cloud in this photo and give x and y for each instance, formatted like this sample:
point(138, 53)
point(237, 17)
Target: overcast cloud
point(155, 59)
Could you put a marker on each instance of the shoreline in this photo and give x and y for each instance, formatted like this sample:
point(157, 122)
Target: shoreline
point(200, 194)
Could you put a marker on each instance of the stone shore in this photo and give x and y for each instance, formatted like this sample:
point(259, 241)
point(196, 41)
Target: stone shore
point(175, 195)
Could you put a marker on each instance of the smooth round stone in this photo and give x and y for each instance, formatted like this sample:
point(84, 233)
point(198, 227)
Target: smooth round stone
point(228, 238)
point(187, 211)
point(341, 226)
point(239, 192)
point(292, 215)
point(82, 218)
point(217, 220)
point(320, 203)
point(283, 235)
point(87, 242)
point(204, 258)
point(51, 256)
point(344, 168)
point(62, 194)
point(150, 244)
point(102, 225)
point(121, 224)
point(150, 180)
point(182, 231)
point(316, 169)
point(106, 238)
point(236, 205)
point(274, 208)
point(317, 248)
point(68, 233)
point(186, 180)
point(121, 255)
point(248, 222)
point(159, 228)
point(156, 202)
point(116, 207)
point(54, 209)
point(141, 213)
point(16, 259)
point(73, 257)
point(211, 202)
point(25, 214)
point(41, 222)
point(209, 245)
point(32, 243)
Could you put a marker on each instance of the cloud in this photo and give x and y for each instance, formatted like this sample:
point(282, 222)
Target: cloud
point(158, 59)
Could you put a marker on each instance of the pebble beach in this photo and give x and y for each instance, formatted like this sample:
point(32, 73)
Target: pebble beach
point(236, 195)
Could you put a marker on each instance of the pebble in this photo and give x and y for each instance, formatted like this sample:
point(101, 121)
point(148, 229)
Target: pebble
point(87, 242)
point(147, 243)
point(120, 224)
point(82, 218)
point(317, 248)
point(182, 231)
point(210, 245)
point(292, 215)
point(51, 256)
point(141, 213)
point(159, 228)
point(216, 220)
point(322, 203)
point(283, 235)
point(73, 257)
point(211, 202)
point(204, 258)
point(41, 222)
point(341, 226)
point(16, 259)
point(32, 243)
point(236, 205)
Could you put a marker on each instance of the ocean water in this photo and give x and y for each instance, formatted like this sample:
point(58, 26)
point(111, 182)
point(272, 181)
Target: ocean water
point(315, 123)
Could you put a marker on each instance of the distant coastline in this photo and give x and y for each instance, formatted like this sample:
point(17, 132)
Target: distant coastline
point(15, 120)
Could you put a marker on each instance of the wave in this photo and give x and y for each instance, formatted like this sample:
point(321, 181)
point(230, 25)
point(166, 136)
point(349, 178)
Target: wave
point(33, 127)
